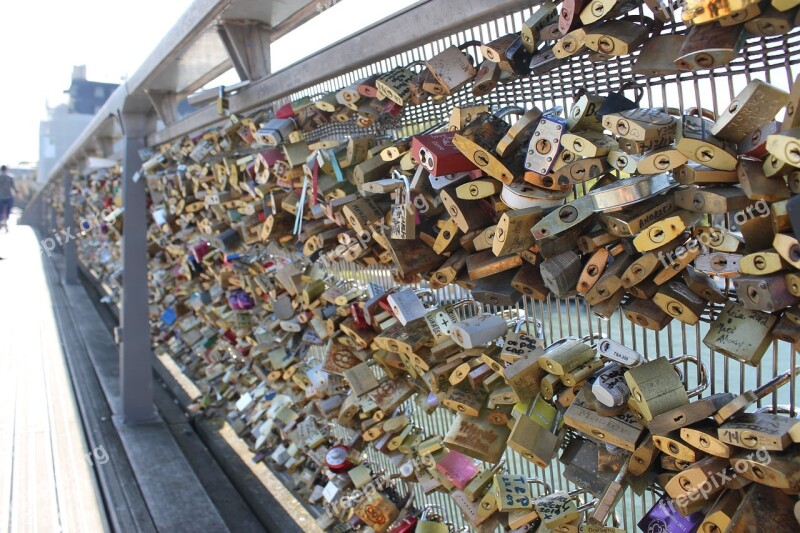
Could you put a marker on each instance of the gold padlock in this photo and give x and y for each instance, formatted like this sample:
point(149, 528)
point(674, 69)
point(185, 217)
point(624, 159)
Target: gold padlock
point(656, 387)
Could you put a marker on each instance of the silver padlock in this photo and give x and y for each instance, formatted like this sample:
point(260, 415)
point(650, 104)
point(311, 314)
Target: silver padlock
point(478, 330)
point(406, 305)
point(276, 131)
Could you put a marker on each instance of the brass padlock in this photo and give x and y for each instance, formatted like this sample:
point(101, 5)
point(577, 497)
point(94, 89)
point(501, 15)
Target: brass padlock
point(767, 293)
point(709, 46)
point(622, 430)
point(686, 415)
point(543, 15)
point(452, 68)
point(741, 333)
point(641, 124)
point(757, 104)
point(695, 141)
point(763, 431)
point(656, 387)
point(616, 37)
point(680, 302)
point(536, 434)
point(430, 522)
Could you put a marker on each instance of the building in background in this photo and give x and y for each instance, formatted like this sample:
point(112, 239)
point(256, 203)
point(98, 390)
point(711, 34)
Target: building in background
point(65, 122)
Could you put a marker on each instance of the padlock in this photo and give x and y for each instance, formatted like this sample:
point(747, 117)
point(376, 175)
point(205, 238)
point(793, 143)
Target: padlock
point(394, 84)
point(664, 516)
point(656, 387)
point(478, 331)
point(403, 219)
point(544, 145)
point(276, 131)
point(641, 124)
point(757, 104)
point(609, 386)
point(452, 68)
point(572, 43)
point(710, 46)
point(696, 12)
point(631, 221)
point(575, 214)
point(763, 431)
point(543, 15)
point(611, 279)
point(513, 230)
point(486, 78)
point(658, 55)
point(438, 155)
point(569, 16)
point(518, 133)
point(479, 140)
point(430, 522)
point(559, 508)
point(741, 333)
point(588, 143)
point(646, 314)
point(484, 264)
point(623, 431)
point(616, 37)
point(678, 301)
point(777, 470)
point(688, 482)
point(785, 146)
point(560, 274)
point(695, 141)
point(740, 403)
point(477, 437)
point(518, 518)
point(767, 293)
point(537, 438)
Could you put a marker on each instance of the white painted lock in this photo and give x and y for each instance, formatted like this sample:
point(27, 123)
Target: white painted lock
point(479, 330)
point(406, 306)
point(610, 388)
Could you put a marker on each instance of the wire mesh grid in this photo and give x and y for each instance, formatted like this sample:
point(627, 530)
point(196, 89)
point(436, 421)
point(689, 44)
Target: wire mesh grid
point(771, 59)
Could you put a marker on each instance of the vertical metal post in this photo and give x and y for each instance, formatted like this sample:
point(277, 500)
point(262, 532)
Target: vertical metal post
point(70, 247)
point(135, 356)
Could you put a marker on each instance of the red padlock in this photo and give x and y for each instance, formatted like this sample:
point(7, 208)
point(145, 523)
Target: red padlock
point(438, 155)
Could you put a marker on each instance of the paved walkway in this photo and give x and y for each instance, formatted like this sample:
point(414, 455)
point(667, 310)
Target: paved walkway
point(46, 478)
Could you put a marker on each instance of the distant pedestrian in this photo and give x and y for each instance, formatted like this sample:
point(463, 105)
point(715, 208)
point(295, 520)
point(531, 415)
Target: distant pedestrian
point(6, 196)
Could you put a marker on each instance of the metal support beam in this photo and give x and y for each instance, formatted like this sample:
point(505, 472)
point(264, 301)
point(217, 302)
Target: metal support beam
point(70, 246)
point(165, 104)
point(248, 45)
point(135, 356)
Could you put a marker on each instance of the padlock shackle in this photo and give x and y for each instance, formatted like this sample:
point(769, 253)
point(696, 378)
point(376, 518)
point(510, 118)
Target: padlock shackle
point(538, 326)
point(777, 381)
point(701, 368)
point(464, 303)
point(781, 409)
point(509, 110)
point(554, 111)
point(400, 176)
point(702, 112)
point(539, 481)
point(417, 63)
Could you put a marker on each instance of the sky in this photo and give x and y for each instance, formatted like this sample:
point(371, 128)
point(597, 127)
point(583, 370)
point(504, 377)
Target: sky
point(42, 40)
